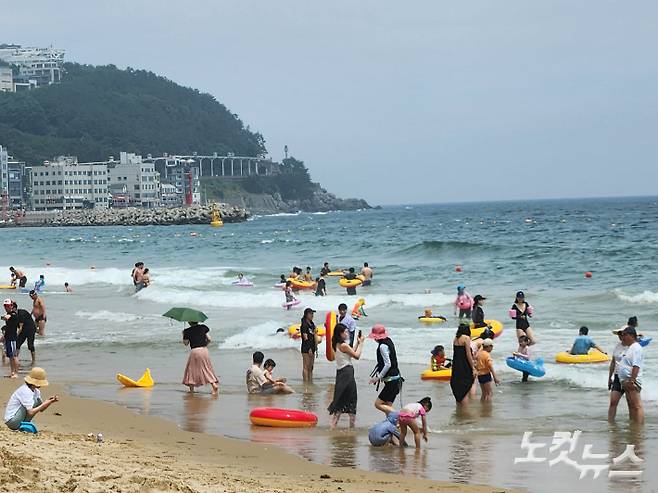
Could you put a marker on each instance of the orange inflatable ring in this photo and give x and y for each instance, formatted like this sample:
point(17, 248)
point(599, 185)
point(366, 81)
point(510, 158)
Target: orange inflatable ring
point(350, 283)
point(282, 418)
point(298, 284)
point(329, 324)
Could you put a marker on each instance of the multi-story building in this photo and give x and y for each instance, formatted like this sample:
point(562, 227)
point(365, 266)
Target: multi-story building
point(183, 173)
point(66, 184)
point(169, 197)
point(6, 79)
point(4, 175)
point(43, 65)
point(17, 190)
point(134, 181)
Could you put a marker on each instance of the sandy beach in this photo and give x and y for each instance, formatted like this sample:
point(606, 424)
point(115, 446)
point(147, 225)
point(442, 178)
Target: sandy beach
point(147, 454)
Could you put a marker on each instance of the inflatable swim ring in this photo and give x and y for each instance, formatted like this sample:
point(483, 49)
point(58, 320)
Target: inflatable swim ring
point(496, 326)
point(290, 304)
point(329, 324)
point(243, 284)
point(336, 273)
point(533, 368)
point(644, 341)
point(593, 356)
point(350, 283)
point(432, 320)
point(293, 331)
point(282, 418)
point(442, 375)
point(145, 380)
point(7, 286)
point(298, 284)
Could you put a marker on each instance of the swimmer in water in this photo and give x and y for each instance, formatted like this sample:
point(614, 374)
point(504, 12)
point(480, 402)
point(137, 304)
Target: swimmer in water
point(67, 288)
point(308, 277)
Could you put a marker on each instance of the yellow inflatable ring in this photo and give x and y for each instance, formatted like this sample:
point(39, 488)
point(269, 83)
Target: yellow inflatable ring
point(496, 326)
point(298, 284)
point(432, 320)
point(350, 283)
point(336, 273)
point(594, 356)
point(442, 375)
point(293, 331)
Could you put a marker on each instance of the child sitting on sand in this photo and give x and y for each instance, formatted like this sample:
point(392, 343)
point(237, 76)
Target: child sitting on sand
point(279, 385)
point(438, 361)
point(407, 419)
point(486, 373)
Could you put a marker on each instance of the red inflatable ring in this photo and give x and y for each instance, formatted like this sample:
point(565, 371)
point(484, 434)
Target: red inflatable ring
point(282, 418)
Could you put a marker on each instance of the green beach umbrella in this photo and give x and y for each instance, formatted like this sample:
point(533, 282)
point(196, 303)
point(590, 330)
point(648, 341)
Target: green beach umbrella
point(186, 315)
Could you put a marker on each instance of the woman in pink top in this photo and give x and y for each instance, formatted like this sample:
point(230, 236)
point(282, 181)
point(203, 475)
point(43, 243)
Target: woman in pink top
point(463, 302)
point(407, 419)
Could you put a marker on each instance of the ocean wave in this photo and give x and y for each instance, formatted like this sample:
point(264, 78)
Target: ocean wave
point(262, 336)
point(111, 316)
point(436, 246)
point(645, 297)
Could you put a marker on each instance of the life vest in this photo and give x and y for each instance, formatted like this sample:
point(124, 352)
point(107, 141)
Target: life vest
point(394, 371)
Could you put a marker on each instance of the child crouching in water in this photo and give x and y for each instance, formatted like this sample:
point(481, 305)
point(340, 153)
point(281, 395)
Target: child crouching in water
point(279, 385)
point(486, 373)
point(438, 361)
point(523, 352)
point(407, 419)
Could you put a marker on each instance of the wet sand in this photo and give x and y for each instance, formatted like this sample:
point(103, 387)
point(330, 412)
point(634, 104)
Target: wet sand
point(148, 454)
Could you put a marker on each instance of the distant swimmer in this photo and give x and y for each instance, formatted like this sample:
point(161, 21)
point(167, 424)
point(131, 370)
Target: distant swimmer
point(137, 273)
point(584, 343)
point(146, 278)
point(67, 288)
point(39, 312)
point(325, 269)
point(18, 275)
point(40, 285)
point(290, 296)
point(463, 302)
point(308, 276)
point(367, 273)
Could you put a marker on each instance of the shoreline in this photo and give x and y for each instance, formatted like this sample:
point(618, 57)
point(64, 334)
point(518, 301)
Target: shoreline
point(154, 454)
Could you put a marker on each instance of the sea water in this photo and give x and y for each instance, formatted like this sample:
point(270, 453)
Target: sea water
point(541, 247)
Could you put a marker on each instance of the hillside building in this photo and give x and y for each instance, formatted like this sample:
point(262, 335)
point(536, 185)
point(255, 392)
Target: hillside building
point(133, 181)
point(37, 66)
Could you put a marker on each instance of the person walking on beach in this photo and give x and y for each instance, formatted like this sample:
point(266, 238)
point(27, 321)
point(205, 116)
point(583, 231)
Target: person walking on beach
point(347, 320)
point(630, 374)
point(521, 312)
point(477, 313)
point(367, 274)
point(39, 312)
point(386, 371)
point(25, 403)
point(11, 336)
point(27, 329)
point(463, 302)
point(18, 275)
point(345, 393)
point(464, 371)
point(199, 370)
point(309, 344)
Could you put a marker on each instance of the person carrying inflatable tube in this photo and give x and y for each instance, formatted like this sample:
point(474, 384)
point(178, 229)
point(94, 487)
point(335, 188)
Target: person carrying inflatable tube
point(358, 311)
point(463, 302)
point(523, 352)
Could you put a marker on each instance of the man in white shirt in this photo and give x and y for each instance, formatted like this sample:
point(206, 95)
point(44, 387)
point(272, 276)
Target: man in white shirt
point(26, 402)
point(347, 320)
point(630, 373)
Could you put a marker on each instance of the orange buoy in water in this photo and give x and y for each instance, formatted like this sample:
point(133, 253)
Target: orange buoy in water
point(588, 274)
point(458, 268)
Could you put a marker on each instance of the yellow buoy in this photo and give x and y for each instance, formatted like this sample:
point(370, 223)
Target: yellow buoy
point(215, 217)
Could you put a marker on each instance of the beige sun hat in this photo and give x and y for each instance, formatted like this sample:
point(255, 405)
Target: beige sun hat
point(37, 377)
point(487, 343)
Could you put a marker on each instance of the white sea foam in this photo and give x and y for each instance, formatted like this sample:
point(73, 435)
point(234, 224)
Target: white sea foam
point(110, 316)
point(262, 336)
point(637, 299)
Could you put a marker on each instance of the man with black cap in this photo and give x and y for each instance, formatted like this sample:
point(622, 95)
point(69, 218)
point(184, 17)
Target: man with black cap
point(309, 344)
point(630, 373)
point(477, 314)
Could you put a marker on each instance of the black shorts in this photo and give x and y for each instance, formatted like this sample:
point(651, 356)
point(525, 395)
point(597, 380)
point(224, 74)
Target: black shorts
point(24, 336)
point(485, 378)
point(10, 349)
point(616, 385)
point(22, 282)
point(464, 312)
point(391, 390)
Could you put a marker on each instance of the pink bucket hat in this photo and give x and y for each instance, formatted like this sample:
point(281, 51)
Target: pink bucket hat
point(378, 332)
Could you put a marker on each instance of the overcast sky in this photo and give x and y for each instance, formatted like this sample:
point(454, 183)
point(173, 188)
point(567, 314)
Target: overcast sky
point(402, 102)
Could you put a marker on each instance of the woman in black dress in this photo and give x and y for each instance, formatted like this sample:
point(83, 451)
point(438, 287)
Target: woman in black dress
point(463, 366)
point(345, 393)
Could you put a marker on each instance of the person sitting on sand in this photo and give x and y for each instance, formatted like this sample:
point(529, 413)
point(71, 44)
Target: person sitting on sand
point(279, 384)
point(385, 432)
point(25, 402)
point(407, 419)
point(438, 361)
point(256, 381)
point(584, 343)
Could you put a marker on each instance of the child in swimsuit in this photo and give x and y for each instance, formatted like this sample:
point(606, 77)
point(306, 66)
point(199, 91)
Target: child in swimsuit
point(439, 360)
point(523, 352)
point(486, 373)
point(407, 419)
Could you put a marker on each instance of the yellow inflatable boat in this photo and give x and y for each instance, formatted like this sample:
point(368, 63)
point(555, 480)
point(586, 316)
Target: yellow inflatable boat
point(496, 326)
point(443, 375)
point(594, 356)
point(144, 381)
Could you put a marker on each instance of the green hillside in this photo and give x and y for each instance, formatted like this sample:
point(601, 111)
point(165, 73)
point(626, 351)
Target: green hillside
point(98, 111)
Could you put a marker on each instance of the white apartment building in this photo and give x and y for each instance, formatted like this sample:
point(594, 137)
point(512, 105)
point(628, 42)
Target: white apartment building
point(66, 184)
point(43, 65)
point(132, 176)
point(6, 79)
